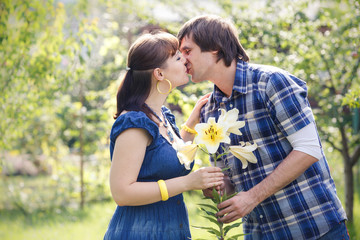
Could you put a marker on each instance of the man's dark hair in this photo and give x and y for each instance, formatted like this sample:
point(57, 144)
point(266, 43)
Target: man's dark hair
point(213, 33)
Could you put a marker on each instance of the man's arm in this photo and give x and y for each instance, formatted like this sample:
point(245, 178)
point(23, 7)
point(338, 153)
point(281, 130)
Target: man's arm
point(242, 204)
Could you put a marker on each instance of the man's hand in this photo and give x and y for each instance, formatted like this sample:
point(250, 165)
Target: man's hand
point(236, 207)
point(244, 202)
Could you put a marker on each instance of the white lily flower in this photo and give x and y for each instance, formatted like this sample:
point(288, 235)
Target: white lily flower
point(186, 152)
point(211, 134)
point(230, 119)
point(244, 152)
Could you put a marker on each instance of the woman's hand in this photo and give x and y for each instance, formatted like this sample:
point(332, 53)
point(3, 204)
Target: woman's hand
point(226, 186)
point(203, 178)
point(194, 118)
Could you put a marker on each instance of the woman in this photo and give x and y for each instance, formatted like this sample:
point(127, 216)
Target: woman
point(146, 177)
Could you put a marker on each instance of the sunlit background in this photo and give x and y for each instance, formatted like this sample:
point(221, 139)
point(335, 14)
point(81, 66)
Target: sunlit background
point(61, 63)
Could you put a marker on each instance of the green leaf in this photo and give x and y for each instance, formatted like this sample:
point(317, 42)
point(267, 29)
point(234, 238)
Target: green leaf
point(209, 198)
point(224, 197)
point(213, 220)
point(209, 229)
point(230, 196)
point(235, 237)
point(228, 228)
point(209, 206)
point(213, 200)
point(216, 233)
point(224, 169)
point(216, 196)
point(208, 212)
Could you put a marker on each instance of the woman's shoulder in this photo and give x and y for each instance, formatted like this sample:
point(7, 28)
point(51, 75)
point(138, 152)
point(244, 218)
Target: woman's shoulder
point(133, 119)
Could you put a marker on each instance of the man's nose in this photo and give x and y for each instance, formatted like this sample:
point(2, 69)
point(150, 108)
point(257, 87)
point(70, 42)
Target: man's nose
point(185, 56)
point(184, 60)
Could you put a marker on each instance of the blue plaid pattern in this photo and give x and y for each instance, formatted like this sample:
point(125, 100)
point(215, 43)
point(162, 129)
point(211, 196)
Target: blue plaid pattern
point(274, 105)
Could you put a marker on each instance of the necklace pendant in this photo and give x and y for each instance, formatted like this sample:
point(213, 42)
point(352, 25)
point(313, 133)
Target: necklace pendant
point(164, 123)
point(170, 135)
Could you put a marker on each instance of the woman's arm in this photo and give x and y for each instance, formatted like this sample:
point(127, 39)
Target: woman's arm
point(129, 152)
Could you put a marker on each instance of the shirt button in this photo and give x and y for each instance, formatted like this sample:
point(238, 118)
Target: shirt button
point(231, 105)
point(178, 202)
point(261, 216)
point(181, 225)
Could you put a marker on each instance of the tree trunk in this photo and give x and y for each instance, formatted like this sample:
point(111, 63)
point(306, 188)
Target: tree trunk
point(349, 176)
point(81, 139)
point(349, 190)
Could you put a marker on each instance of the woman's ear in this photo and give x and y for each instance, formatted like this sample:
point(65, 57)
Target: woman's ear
point(158, 74)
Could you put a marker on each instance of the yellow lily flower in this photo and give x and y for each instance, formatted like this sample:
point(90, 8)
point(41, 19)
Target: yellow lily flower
point(230, 119)
point(186, 152)
point(244, 152)
point(211, 134)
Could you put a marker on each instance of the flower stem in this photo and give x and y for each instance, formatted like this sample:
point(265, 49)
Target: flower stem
point(213, 155)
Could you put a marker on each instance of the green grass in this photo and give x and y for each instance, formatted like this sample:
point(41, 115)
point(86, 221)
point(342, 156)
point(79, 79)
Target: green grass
point(91, 223)
point(337, 172)
point(88, 224)
point(353, 228)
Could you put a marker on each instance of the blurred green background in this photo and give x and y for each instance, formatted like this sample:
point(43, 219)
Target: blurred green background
point(61, 63)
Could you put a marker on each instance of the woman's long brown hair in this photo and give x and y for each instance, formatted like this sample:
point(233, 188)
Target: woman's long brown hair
point(148, 52)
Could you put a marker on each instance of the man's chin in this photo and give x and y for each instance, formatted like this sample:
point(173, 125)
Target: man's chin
point(191, 78)
point(195, 80)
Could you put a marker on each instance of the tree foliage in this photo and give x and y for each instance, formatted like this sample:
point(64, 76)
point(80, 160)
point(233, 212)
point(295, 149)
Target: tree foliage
point(31, 37)
point(61, 64)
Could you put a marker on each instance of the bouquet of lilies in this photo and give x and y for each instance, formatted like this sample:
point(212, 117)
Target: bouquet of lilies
point(211, 135)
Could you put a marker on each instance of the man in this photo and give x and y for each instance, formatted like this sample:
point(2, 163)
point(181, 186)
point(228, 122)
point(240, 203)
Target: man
point(289, 193)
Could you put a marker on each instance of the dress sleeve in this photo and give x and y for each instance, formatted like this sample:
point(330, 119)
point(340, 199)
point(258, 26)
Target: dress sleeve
point(287, 103)
point(133, 120)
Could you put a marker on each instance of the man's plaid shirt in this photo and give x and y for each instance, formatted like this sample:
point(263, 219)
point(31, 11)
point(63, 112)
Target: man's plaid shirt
point(274, 105)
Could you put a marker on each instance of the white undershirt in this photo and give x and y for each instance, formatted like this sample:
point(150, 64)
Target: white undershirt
point(306, 140)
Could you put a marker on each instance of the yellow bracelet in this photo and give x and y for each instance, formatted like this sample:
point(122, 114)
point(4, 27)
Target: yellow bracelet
point(163, 190)
point(187, 129)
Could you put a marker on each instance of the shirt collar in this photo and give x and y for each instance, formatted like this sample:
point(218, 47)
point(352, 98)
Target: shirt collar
point(240, 85)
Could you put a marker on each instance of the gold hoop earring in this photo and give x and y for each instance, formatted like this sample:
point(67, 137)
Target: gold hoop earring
point(170, 86)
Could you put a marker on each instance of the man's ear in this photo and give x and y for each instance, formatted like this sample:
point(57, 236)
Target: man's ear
point(158, 74)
